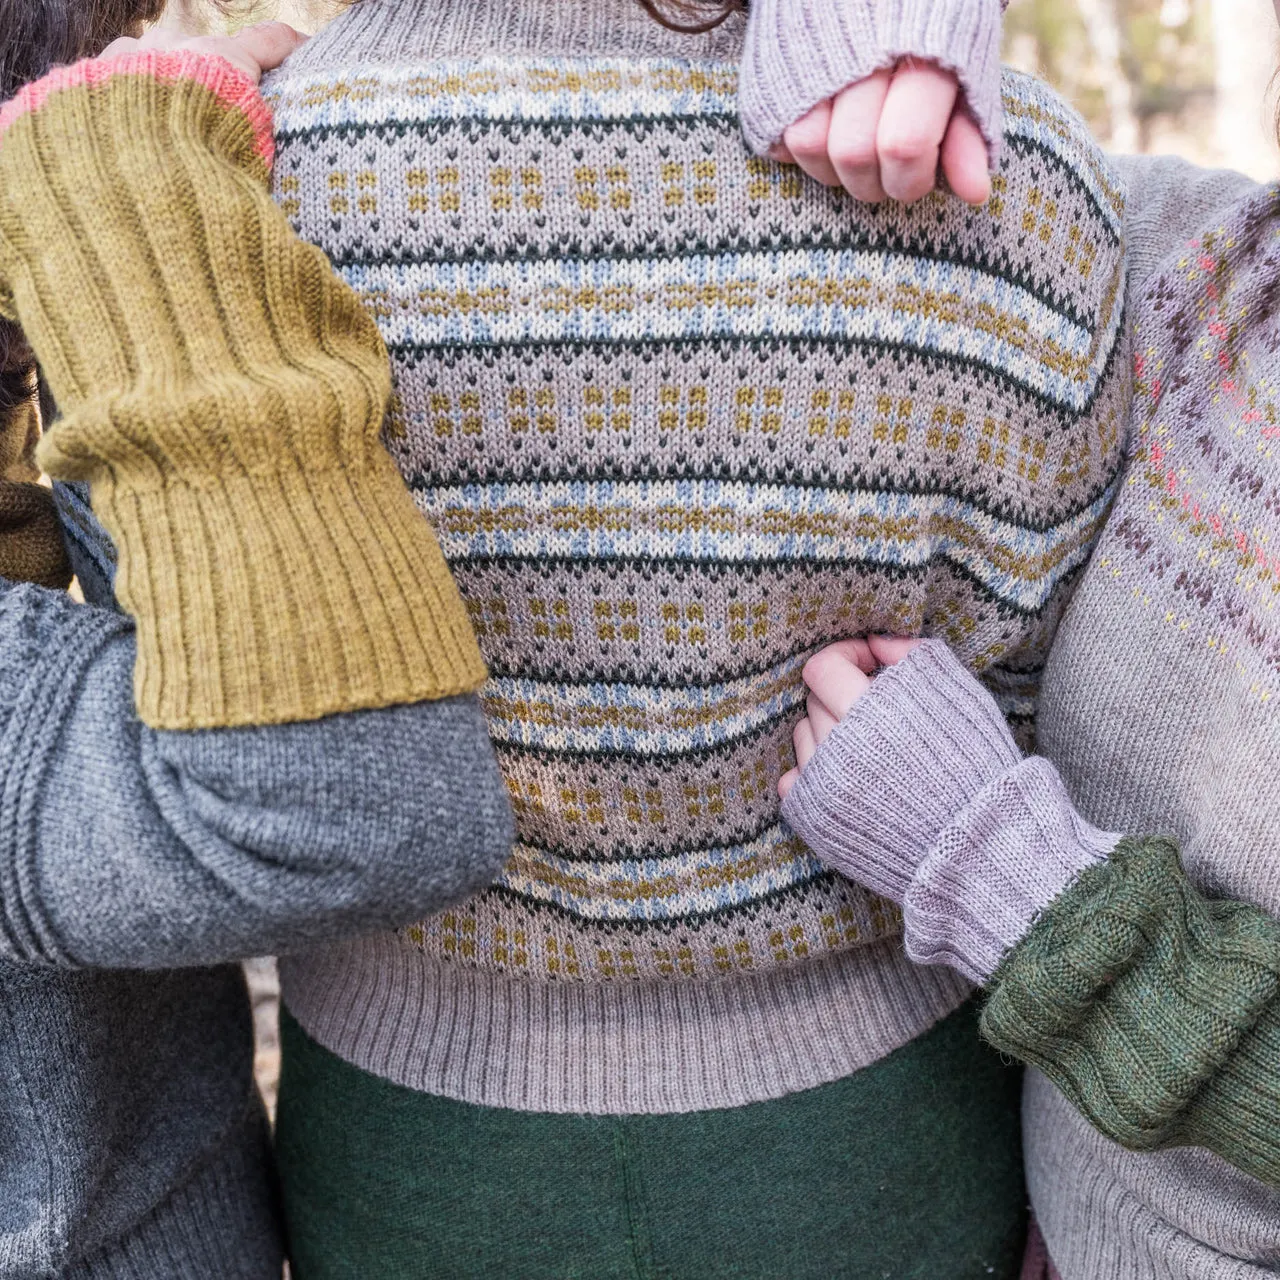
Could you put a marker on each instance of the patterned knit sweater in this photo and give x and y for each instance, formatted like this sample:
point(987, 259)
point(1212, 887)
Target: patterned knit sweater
point(680, 419)
point(1138, 966)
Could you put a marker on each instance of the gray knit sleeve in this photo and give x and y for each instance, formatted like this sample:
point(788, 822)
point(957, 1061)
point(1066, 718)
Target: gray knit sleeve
point(122, 846)
point(1168, 201)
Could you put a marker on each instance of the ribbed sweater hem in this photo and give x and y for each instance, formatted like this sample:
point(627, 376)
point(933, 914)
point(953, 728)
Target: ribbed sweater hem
point(612, 1048)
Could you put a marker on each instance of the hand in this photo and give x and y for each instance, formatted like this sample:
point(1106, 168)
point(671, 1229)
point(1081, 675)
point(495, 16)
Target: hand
point(837, 677)
point(253, 50)
point(885, 137)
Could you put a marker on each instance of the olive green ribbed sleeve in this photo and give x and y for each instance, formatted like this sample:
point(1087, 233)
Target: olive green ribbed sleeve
point(1154, 1009)
point(223, 393)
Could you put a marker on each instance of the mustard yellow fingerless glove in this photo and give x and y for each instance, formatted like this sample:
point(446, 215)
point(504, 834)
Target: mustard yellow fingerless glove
point(222, 392)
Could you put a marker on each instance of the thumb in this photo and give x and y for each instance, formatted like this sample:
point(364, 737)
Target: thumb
point(268, 44)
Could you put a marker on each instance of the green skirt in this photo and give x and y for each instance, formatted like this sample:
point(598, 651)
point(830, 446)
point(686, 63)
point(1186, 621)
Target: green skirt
point(910, 1168)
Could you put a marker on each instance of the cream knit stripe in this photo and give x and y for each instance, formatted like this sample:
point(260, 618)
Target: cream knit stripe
point(272, 555)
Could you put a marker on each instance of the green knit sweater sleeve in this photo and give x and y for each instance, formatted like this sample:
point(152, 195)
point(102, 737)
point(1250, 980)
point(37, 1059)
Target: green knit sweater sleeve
point(1155, 1009)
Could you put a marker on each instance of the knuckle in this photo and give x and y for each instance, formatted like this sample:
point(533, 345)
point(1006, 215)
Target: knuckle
point(806, 140)
point(853, 153)
point(905, 147)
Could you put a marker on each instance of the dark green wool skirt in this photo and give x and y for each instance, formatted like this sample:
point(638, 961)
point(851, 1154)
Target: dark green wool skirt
point(910, 1168)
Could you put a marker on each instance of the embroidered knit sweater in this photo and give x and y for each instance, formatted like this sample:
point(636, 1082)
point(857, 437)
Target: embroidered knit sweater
point(679, 419)
point(1141, 971)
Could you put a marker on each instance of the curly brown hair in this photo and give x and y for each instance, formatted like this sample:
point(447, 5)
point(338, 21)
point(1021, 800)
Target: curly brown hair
point(694, 16)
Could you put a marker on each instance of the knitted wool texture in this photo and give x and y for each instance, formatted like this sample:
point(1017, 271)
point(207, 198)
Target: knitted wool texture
point(267, 548)
point(679, 419)
point(921, 792)
point(1159, 708)
point(31, 547)
point(1199, 976)
point(800, 52)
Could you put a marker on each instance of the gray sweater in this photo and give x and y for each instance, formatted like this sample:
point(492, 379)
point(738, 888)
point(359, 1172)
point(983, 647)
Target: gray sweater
point(132, 1143)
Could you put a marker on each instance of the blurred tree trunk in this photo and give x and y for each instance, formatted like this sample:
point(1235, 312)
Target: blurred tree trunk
point(1103, 26)
point(1244, 39)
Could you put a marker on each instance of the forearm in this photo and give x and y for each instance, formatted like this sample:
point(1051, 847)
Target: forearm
point(124, 846)
point(800, 52)
point(1155, 1009)
point(222, 392)
point(281, 743)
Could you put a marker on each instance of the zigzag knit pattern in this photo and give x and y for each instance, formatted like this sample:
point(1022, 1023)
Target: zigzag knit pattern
point(679, 419)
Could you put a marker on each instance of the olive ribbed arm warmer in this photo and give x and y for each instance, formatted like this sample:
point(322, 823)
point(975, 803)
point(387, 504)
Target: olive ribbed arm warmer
point(223, 397)
point(1154, 1009)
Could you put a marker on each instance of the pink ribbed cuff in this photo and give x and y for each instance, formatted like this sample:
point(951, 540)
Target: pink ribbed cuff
point(232, 87)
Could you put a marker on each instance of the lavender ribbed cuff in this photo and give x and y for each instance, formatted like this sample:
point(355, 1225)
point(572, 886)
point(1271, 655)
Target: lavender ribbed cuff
point(921, 794)
point(993, 870)
point(911, 753)
point(800, 52)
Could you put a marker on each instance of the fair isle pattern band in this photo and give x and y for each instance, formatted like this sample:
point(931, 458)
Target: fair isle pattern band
point(678, 420)
point(758, 523)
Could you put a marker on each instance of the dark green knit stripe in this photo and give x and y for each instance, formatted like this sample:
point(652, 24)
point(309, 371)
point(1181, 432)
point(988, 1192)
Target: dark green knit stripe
point(1154, 1009)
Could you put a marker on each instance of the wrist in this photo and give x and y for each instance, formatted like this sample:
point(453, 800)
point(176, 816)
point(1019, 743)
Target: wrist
point(878, 793)
point(996, 867)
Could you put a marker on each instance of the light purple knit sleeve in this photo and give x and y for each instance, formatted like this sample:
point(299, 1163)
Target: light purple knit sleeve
point(921, 794)
point(800, 52)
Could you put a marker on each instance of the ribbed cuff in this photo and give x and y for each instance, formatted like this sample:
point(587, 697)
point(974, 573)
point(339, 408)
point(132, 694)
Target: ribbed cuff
point(281, 597)
point(993, 870)
point(800, 52)
point(1154, 1009)
point(913, 751)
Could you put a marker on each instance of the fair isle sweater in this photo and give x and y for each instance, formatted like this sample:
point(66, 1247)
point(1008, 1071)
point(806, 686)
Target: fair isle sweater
point(679, 419)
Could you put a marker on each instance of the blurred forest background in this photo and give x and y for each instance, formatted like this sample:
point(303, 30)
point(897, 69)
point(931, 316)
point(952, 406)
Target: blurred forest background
point(1184, 77)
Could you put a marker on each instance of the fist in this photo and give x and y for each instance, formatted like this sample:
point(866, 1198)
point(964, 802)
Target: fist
point(887, 136)
point(837, 677)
